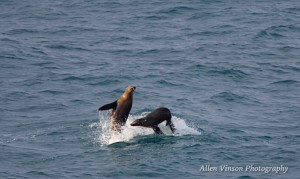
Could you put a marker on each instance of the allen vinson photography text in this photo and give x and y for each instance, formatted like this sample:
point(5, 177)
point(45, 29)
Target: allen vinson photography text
point(245, 168)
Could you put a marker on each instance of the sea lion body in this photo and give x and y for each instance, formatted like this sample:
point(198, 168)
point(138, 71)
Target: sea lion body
point(121, 109)
point(154, 118)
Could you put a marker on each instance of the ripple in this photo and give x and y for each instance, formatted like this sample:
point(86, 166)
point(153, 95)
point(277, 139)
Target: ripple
point(66, 47)
point(21, 31)
point(105, 82)
point(168, 83)
point(276, 31)
point(155, 17)
point(233, 73)
point(293, 9)
point(54, 92)
point(177, 10)
point(85, 78)
point(227, 97)
point(289, 48)
point(285, 82)
point(236, 131)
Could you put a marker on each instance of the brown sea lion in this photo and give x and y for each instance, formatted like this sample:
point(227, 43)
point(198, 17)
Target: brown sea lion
point(154, 118)
point(121, 109)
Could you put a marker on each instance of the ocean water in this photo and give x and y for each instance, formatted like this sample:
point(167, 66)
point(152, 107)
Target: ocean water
point(229, 71)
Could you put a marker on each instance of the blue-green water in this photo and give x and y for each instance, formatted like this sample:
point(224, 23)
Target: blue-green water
point(228, 70)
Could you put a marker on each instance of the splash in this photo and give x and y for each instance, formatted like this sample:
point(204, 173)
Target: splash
point(128, 132)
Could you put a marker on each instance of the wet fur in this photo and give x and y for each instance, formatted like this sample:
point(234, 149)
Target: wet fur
point(153, 119)
point(120, 109)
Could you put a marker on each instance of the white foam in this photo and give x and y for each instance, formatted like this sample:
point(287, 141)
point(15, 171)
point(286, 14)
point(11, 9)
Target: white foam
point(128, 132)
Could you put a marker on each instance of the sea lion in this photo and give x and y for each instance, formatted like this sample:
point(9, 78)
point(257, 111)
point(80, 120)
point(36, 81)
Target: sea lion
point(154, 118)
point(121, 108)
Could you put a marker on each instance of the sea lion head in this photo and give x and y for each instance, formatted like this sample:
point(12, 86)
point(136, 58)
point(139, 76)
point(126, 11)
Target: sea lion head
point(136, 122)
point(130, 89)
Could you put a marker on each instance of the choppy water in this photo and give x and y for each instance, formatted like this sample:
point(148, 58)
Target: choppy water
point(228, 70)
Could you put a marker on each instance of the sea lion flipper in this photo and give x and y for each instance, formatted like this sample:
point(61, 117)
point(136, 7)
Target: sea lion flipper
point(171, 125)
point(112, 105)
point(157, 130)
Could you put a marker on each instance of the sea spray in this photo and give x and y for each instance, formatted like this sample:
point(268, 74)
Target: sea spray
point(128, 132)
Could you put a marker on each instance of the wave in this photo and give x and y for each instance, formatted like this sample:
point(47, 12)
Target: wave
point(227, 96)
point(177, 10)
point(21, 31)
point(277, 31)
point(230, 97)
point(285, 82)
point(66, 47)
point(104, 136)
point(236, 73)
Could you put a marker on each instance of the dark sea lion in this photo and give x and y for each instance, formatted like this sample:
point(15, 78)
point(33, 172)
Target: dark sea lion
point(121, 109)
point(154, 118)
